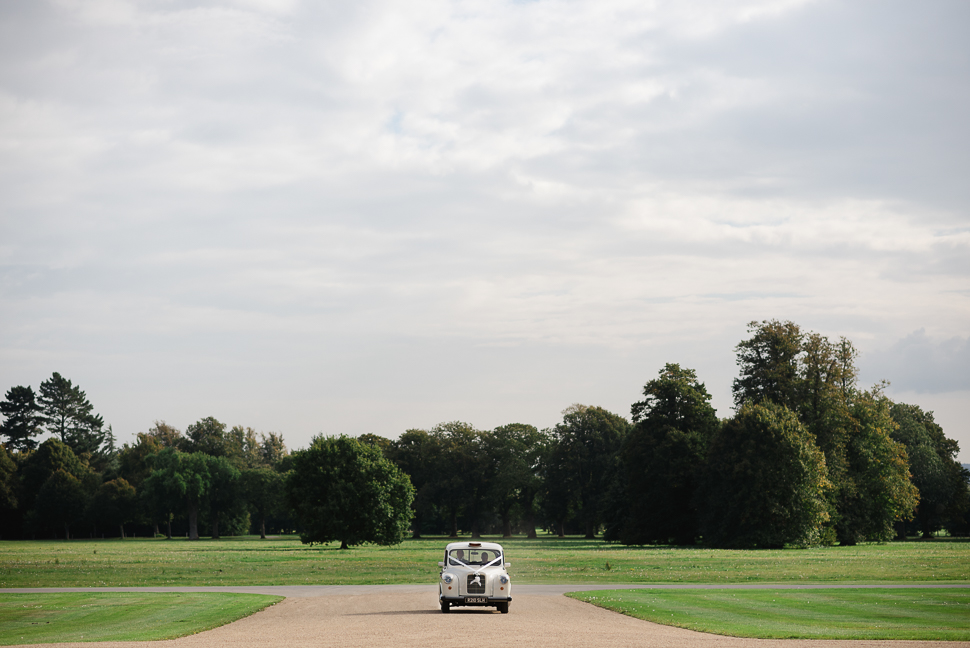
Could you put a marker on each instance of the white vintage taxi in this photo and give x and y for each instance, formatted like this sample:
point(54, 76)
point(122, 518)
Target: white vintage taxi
point(474, 573)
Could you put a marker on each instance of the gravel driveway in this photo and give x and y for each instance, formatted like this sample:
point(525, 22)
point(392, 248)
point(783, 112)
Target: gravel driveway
point(409, 616)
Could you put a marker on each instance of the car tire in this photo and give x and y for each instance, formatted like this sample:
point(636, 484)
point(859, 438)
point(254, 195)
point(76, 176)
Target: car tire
point(503, 608)
point(445, 606)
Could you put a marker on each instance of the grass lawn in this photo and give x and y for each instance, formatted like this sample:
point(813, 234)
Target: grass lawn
point(916, 614)
point(58, 618)
point(899, 614)
point(250, 561)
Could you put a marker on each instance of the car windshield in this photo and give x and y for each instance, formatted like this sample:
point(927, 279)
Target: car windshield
point(475, 557)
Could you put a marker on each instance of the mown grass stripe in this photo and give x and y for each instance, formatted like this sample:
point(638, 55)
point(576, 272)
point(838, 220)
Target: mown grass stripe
point(74, 617)
point(250, 561)
point(914, 614)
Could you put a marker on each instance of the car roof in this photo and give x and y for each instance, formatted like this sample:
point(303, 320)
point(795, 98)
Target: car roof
point(485, 546)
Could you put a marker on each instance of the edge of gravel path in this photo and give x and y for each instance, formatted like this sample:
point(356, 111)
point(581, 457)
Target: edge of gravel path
point(526, 589)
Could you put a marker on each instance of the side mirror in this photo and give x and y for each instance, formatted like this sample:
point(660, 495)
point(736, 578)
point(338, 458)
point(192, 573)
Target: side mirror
point(507, 565)
point(441, 564)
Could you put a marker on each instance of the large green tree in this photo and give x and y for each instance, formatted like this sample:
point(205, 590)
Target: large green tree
point(557, 500)
point(272, 449)
point(166, 435)
point(208, 436)
point(463, 476)
point(582, 458)
point(135, 463)
point(827, 380)
point(382, 443)
point(22, 420)
point(115, 503)
point(764, 481)
point(180, 477)
point(342, 489)
point(874, 489)
point(419, 454)
point(8, 471)
point(933, 464)
point(262, 489)
point(61, 501)
point(515, 451)
point(160, 496)
point(664, 456)
point(242, 447)
point(133, 459)
point(68, 414)
point(223, 497)
point(52, 455)
point(768, 363)
point(816, 378)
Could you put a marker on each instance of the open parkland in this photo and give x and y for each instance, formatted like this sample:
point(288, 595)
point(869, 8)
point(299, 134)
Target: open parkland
point(134, 590)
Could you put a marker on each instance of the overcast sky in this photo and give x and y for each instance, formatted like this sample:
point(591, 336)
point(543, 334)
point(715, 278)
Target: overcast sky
point(322, 217)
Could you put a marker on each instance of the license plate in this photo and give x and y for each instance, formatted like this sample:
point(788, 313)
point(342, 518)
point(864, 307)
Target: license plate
point(476, 599)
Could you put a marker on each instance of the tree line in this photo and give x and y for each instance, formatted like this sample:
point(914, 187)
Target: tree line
point(79, 482)
point(807, 458)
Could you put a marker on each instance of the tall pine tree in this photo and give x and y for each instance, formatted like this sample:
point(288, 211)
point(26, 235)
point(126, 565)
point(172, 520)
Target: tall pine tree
point(68, 414)
point(22, 418)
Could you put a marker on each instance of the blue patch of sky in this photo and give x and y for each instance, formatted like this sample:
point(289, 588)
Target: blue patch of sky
point(394, 123)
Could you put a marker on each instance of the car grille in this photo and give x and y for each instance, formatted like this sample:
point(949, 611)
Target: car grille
point(475, 586)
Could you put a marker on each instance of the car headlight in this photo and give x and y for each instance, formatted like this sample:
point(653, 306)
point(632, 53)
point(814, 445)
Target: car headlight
point(504, 579)
point(448, 578)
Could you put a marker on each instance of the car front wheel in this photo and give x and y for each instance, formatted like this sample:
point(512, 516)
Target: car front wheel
point(446, 606)
point(503, 608)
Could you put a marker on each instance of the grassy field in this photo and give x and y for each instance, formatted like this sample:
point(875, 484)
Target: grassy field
point(250, 561)
point(917, 614)
point(58, 618)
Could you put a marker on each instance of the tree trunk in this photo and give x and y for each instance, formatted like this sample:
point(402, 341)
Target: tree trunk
point(215, 528)
point(343, 544)
point(416, 527)
point(562, 528)
point(169, 536)
point(262, 528)
point(923, 523)
point(476, 532)
point(454, 524)
point(122, 527)
point(193, 522)
point(506, 525)
point(532, 525)
point(901, 530)
point(590, 530)
point(67, 532)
